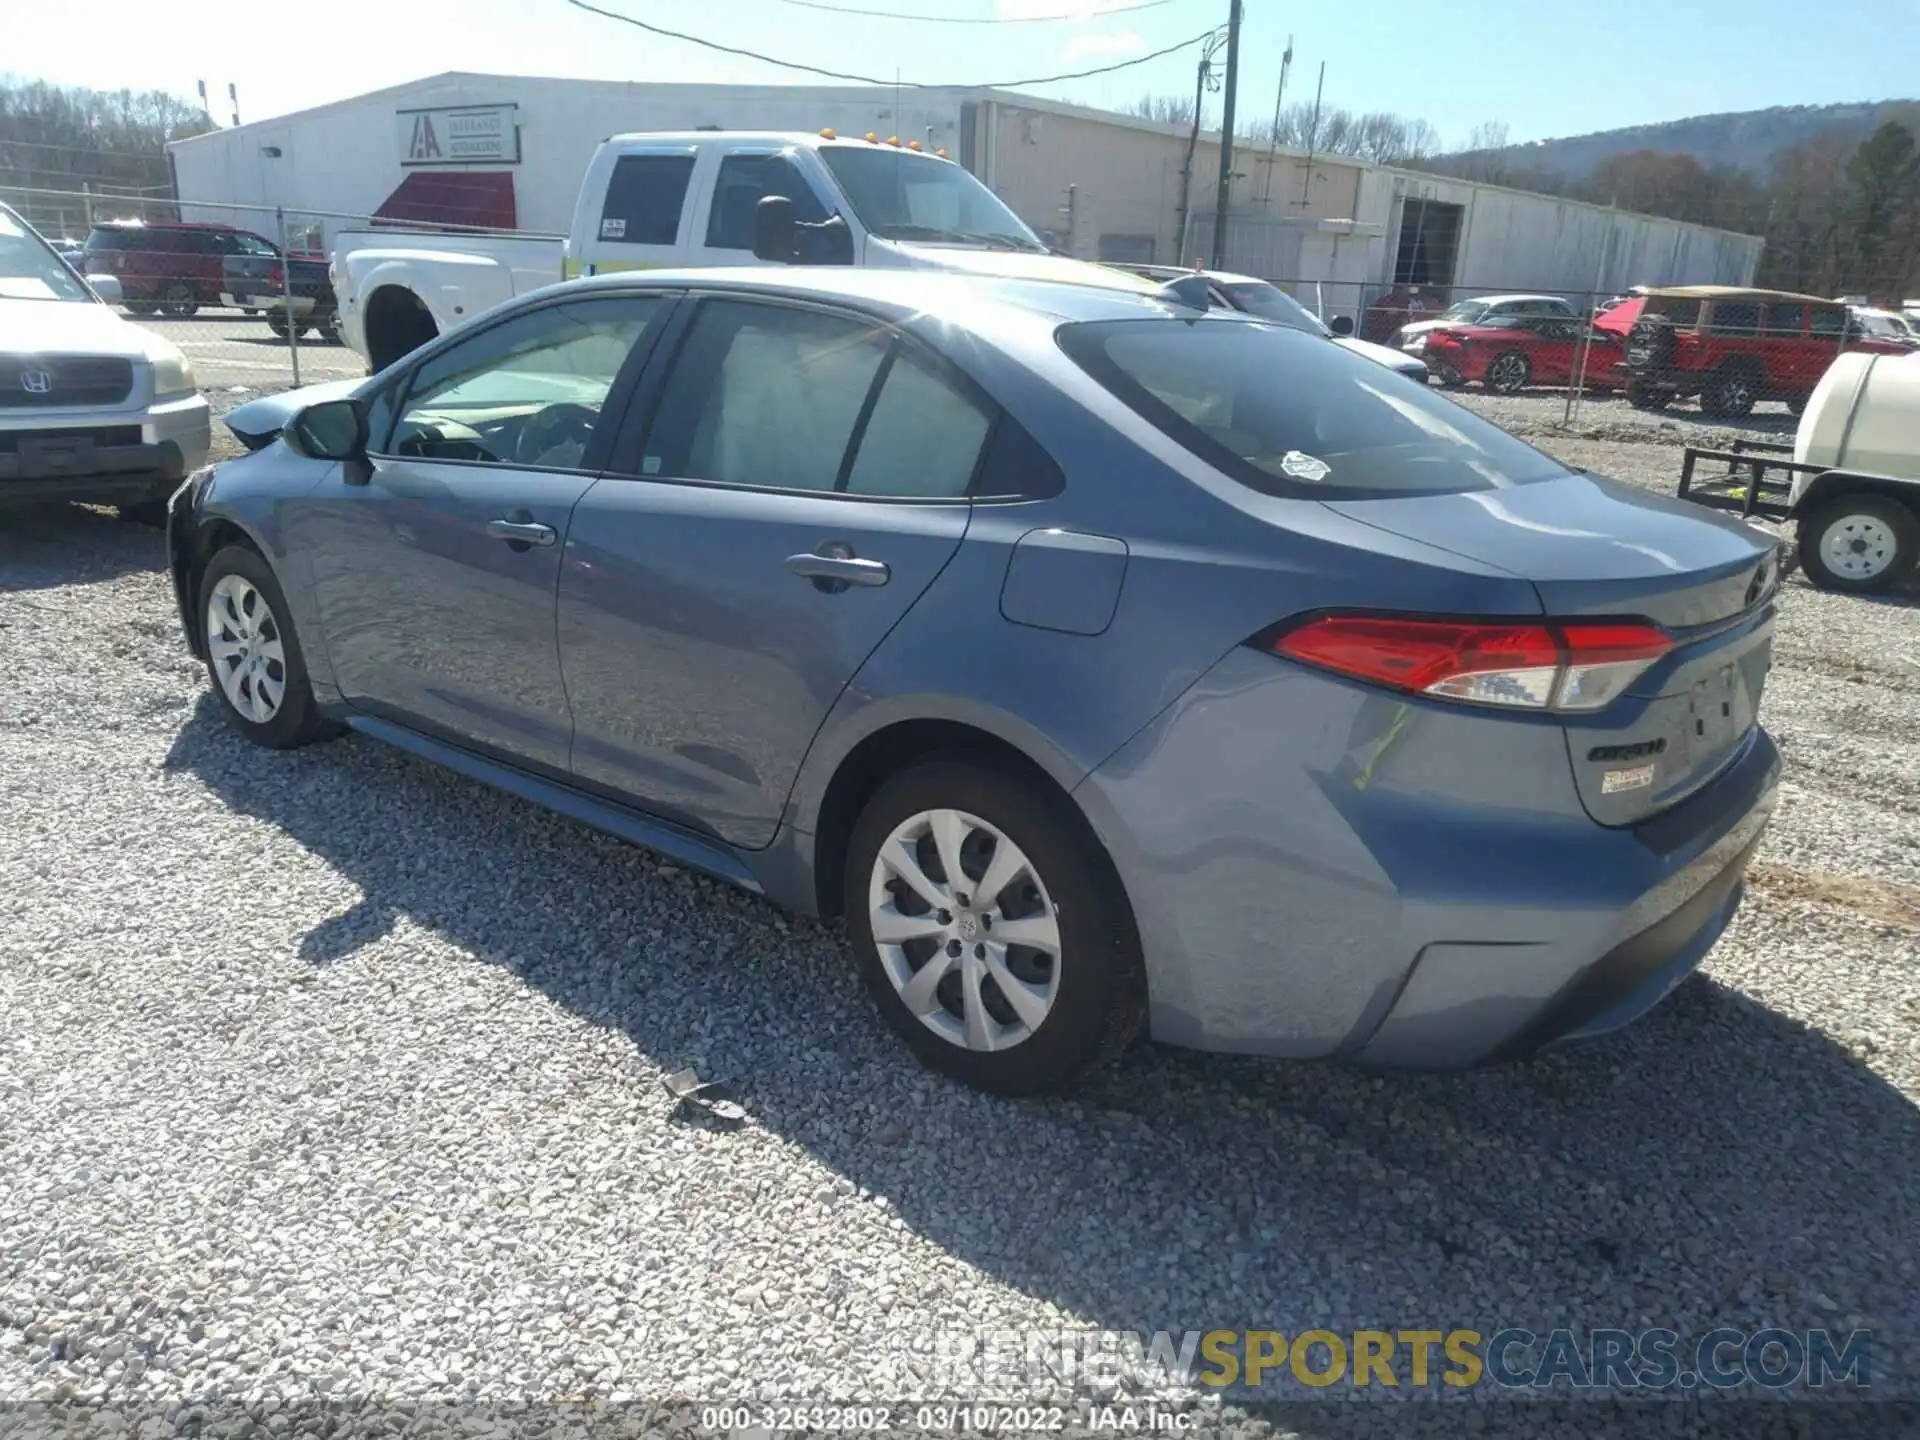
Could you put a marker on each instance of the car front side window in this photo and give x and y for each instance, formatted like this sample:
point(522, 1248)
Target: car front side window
point(528, 391)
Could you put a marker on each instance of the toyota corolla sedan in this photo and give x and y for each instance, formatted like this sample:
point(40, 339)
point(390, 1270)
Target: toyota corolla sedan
point(1105, 661)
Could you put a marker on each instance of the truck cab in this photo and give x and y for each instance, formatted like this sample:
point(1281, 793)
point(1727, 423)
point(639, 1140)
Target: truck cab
point(692, 198)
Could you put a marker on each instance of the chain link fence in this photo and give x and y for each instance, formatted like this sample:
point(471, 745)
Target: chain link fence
point(247, 292)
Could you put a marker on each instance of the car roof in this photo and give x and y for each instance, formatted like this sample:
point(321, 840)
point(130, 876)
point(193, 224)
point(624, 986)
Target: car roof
point(167, 225)
point(949, 296)
point(1733, 292)
point(1490, 299)
point(799, 139)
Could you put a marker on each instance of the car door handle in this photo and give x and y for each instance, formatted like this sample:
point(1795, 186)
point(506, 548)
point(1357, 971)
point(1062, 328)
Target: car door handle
point(523, 532)
point(835, 572)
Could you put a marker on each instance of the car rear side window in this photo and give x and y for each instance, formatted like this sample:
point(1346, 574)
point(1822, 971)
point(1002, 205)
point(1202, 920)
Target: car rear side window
point(1734, 317)
point(1785, 319)
point(1829, 322)
point(645, 195)
point(1681, 314)
point(786, 398)
point(746, 180)
point(1289, 414)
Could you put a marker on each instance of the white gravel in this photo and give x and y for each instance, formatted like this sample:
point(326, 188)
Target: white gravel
point(334, 1075)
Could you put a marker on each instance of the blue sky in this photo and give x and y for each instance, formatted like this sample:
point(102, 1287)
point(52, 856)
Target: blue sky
point(1543, 69)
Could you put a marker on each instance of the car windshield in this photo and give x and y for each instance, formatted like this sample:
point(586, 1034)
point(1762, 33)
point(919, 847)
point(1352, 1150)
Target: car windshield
point(1287, 415)
point(29, 269)
point(903, 196)
point(1270, 302)
point(1464, 310)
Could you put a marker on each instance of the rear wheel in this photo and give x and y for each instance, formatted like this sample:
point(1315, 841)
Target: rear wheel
point(1645, 397)
point(1730, 394)
point(1450, 378)
point(141, 307)
point(1861, 543)
point(990, 929)
point(1509, 373)
point(285, 326)
point(179, 300)
point(1797, 405)
point(253, 656)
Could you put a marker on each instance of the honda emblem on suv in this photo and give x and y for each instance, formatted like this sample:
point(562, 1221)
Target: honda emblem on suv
point(36, 382)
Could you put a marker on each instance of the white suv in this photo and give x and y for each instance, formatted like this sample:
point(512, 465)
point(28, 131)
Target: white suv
point(91, 406)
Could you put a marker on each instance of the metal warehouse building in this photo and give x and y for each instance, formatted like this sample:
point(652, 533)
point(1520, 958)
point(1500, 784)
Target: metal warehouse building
point(509, 151)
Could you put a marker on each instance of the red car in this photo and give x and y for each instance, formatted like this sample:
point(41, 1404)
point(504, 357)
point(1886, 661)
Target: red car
point(172, 268)
point(1510, 352)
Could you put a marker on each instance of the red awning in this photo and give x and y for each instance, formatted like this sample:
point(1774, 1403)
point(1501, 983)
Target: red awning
point(453, 197)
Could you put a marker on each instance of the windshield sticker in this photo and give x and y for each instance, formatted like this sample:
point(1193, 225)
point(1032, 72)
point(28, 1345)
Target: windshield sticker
point(613, 228)
point(1305, 467)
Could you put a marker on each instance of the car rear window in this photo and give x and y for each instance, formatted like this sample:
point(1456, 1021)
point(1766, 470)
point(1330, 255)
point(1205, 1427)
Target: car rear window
point(1288, 413)
point(113, 240)
point(645, 195)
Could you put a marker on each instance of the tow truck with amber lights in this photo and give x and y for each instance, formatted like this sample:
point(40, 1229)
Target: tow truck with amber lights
point(698, 198)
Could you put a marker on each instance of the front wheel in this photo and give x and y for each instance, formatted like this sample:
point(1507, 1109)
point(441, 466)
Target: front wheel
point(141, 307)
point(1509, 373)
point(1862, 543)
point(253, 656)
point(991, 930)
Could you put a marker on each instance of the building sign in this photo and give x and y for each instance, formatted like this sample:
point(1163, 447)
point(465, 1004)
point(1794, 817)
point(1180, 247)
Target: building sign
point(460, 135)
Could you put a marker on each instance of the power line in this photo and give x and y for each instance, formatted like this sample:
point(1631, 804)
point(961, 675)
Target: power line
point(978, 19)
point(874, 80)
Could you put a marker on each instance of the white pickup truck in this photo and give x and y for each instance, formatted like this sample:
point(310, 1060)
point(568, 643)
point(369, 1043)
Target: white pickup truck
point(657, 200)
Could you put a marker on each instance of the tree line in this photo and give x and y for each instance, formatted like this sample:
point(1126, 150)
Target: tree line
point(1840, 212)
point(72, 139)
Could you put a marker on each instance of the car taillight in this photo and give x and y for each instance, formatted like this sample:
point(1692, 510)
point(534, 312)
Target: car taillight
point(1559, 665)
point(275, 275)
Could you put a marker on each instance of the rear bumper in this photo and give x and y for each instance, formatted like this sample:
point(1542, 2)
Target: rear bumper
point(245, 299)
point(1321, 870)
point(106, 455)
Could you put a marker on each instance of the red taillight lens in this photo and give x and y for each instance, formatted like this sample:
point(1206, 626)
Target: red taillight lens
point(1535, 665)
point(276, 276)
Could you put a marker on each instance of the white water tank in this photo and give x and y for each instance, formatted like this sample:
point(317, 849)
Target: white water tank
point(1863, 416)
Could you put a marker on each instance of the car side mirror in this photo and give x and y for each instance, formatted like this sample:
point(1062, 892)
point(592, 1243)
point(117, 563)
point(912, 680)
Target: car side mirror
point(107, 287)
point(1341, 325)
point(778, 237)
point(330, 430)
point(773, 230)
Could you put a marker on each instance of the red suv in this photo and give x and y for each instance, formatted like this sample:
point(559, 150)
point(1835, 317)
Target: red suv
point(1734, 347)
point(172, 268)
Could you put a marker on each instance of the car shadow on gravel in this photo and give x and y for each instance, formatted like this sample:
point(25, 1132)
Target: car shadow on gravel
point(1717, 1164)
point(47, 546)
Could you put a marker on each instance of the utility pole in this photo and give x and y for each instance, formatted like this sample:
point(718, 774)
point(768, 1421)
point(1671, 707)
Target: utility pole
point(1226, 138)
point(1203, 81)
point(1313, 136)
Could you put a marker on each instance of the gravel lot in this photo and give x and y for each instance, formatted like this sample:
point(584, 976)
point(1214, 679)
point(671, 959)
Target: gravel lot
point(331, 1074)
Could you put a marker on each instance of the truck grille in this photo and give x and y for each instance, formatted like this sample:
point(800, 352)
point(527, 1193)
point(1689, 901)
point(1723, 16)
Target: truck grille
point(30, 382)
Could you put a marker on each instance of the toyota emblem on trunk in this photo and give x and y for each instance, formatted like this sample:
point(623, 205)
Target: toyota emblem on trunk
point(36, 382)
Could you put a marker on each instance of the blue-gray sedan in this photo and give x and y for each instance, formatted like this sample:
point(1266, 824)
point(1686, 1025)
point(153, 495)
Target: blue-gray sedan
point(1103, 660)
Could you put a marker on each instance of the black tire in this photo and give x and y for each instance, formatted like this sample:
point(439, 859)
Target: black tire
point(139, 307)
point(1644, 397)
point(297, 721)
point(1450, 378)
point(1893, 519)
point(1797, 405)
point(1731, 394)
point(179, 300)
point(1100, 998)
point(286, 327)
point(1514, 372)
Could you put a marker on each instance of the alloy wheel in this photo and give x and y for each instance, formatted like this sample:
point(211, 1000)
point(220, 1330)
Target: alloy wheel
point(1508, 373)
point(965, 930)
point(1859, 547)
point(249, 655)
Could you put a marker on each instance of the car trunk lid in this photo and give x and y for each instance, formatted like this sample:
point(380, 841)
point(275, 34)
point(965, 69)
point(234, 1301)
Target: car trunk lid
point(1594, 549)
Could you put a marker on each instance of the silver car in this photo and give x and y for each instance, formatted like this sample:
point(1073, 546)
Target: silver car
point(1105, 660)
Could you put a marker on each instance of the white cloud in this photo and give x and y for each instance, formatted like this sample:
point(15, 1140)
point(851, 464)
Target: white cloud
point(1112, 44)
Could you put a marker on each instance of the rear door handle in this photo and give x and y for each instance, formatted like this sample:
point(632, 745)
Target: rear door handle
point(522, 532)
point(833, 573)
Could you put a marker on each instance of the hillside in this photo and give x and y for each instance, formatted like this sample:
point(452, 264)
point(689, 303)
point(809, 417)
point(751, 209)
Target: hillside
point(1748, 140)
